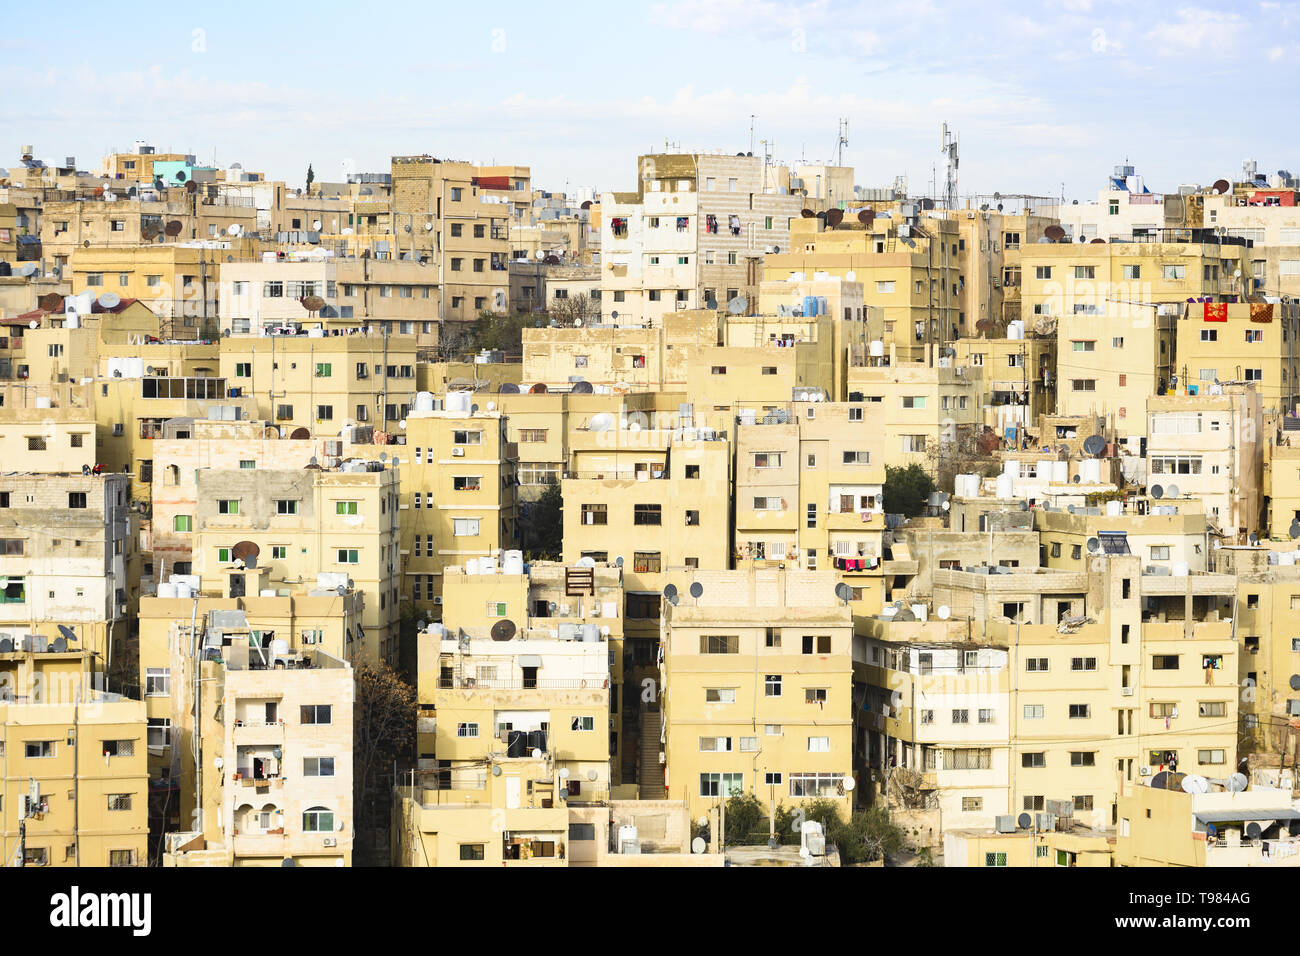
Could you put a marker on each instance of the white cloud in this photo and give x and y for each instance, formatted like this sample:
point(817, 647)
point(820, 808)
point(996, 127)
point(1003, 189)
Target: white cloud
point(1195, 29)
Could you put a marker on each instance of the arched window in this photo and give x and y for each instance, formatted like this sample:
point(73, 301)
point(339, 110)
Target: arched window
point(318, 820)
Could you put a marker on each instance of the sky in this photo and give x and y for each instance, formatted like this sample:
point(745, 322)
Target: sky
point(1046, 96)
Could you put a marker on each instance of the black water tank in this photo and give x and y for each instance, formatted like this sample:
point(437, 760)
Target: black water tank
point(516, 743)
point(6, 270)
point(536, 740)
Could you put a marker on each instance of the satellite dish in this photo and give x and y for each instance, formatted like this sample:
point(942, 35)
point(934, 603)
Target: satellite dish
point(696, 589)
point(110, 300)
point(670, 594)
point(1077, 479)
point(245, 550)
point(496, 771)
point(807, 214)
point(1171, 491)
point(508, 388)
point(849, 783)
point(59, 645)
point(698, 845)
point(591, 775)
point(1237, 783)
point(564, 773)
point(618, 562)
point(834, 217)
point(315, 225)
point(1295, 682)
point(503, 630)
point(537, 753)
point(1221, 186)
point(1094, 444)
point(1295, 530)
point(49, 302)
point(1024, 821)
point(582, 388)
point(1253, 830)
point(710, 303)
point(1195, 783)
point(538, 389)
point(235, 229)
point(300, 433)
point(738, 305)
point(1253, 539)
point(67, 632)
point(174, 227)
point(1157, 491)
point(313, 303)
point(944, 612)
point(1055, 233)
point(843, 592)
point(866, 216)
point(1094, 545)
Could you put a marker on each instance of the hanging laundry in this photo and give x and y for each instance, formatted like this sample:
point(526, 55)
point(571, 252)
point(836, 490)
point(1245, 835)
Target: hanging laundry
point(1216, 312)
point(1261, 312)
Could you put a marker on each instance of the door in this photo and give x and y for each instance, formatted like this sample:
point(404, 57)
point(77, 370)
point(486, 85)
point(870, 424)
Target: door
point(512, 793)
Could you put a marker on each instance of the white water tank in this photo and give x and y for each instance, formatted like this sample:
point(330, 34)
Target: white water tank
point(1286, 557)
point(424, 401)
point(184, 591)
point(1044, 469)
point(279, 648)
point(1016, 329)
point(471, 566)
point(921, 611)
point(167, 590)
point(1180, 569)
point(512, 562)
point(1060, 472)
point(591, 632)
point(1011, 468)
point(876, 348)
point(1114, 508)
point(42, 401)
point(457, 402)
point(1006, 486)
point(1090, 471)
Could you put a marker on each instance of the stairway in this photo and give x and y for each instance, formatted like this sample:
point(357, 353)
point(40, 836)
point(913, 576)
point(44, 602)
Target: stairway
point(650, 774)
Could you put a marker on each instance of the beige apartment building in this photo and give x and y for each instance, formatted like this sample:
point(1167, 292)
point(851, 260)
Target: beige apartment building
point(1115, 307)
point(1210, 446)
point(755, 689)
point(458, 494)
point(389, 296)
point(442, 216)
point(906, 263)
point(270, 778)
point(74, 762)
point(1107, 677)
point(809, 493)
point(693, 235)
point(1241, 342)
point(263, 530)
point(323, 385)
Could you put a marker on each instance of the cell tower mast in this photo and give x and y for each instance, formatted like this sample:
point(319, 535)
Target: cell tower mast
point(949, 150)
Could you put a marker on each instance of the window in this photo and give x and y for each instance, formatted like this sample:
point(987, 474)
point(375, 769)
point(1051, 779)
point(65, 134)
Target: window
point(721, 784)
point(1083, 663)
point(857, 457)
point(815, 695)
point(995, 859)
point(720, 695)
point(582, 831)
point(1164, 662)
point(582, 723)
point(1173, 273)
point(1034, 760)
point(286, 506)
point(647, 514)
point(961, 716)
point(119, 801)
point(772, 685)
point(1085, 272)
point(1036, 665)
point(819, 745)
point(158, 733)
point(474, 851)
point(595, 514)
point(467, 730)
point(466, 527)
point(228, 506)
point(34, 749)
point(719, 644)
point(466, 438)
point(345, 507)
point(1080, 711)
point(822, 643)
point(348, 556)
point(157, 682)
point(1083, 758)
point(318, 820)
point(767, 459)
point(1211, 756)
point(1212, 708)
point(315, 714)
point(467, 483)
point(119, 748)
point(76, 499)
point(1033, 712)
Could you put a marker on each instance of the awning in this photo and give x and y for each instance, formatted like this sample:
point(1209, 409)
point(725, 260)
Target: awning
point(1246, 816)
point(530, 660)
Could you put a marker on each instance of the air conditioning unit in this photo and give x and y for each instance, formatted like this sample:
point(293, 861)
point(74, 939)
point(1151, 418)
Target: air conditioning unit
point(329, 841)
point(437, 599)
point(1126, 692)
point(1144, 771)
point(458, 453)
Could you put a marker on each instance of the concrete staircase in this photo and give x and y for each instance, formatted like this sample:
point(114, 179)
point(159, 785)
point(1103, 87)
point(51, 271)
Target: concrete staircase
point(650, 775)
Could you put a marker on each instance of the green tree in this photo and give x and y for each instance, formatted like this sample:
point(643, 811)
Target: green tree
point(866, 836)
point(906, 490)
point(311, 178)
point(746, 820)
point(542, 531)
point(501, 330)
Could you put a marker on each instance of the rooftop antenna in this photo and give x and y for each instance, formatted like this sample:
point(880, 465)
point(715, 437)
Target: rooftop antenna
point(949, 149)
point(842, 141)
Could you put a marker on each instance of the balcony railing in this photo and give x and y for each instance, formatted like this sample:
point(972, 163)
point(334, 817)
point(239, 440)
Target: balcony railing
point(474, 683)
